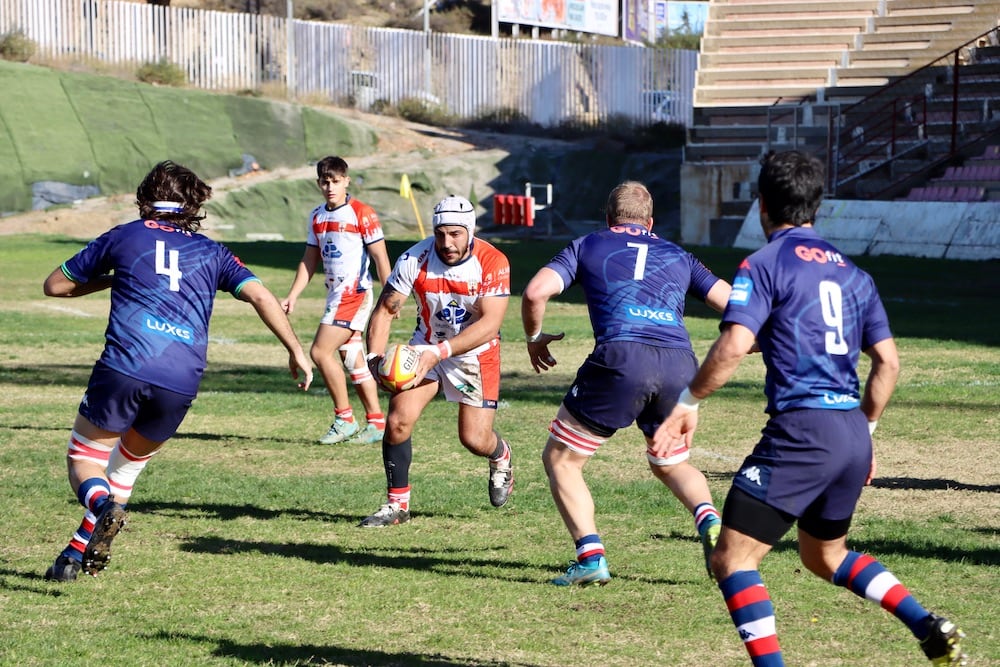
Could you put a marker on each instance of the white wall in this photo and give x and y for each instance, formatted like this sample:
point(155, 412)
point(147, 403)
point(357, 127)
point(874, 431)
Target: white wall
point(914, 229)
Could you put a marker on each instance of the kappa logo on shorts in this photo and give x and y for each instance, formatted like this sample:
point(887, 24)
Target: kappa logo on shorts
point(752, 473)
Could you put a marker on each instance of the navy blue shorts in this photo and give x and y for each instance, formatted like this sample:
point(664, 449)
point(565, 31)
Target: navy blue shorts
point(811, 464)
point(622, 382)
point(117, 402)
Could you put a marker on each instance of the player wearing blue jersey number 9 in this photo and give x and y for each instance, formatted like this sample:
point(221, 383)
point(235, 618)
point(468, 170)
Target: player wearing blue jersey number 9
point(635, 284)
point(812, 312)
point(163, 277)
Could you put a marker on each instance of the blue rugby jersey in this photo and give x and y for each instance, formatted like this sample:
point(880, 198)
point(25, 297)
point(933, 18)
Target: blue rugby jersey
point(813, 312)
point(635, 284)
point(162, 295)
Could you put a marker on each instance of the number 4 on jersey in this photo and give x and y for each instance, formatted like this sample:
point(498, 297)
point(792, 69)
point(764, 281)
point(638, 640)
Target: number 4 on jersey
point(170, 268)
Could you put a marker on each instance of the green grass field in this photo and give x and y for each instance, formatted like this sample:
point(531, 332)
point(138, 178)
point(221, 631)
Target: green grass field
point(243, 547)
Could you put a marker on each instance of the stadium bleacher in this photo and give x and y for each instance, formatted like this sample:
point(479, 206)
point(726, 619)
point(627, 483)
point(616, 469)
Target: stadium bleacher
point(771, 72)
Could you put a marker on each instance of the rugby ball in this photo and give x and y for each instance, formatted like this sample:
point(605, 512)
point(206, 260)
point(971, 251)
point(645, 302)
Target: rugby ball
point(398, 367)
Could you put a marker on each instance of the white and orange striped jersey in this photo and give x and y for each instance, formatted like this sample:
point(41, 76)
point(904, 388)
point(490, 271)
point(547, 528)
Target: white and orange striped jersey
point(342, 236)
point(448, 296)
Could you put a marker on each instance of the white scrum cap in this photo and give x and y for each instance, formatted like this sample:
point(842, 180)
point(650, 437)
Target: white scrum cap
point(454, 210)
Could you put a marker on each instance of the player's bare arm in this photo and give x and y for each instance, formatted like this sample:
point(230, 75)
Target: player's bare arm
point(58, 285)
point(718, 296)
point(492, 311)
point(881, 378)
point(303, 274)
point(380, 257)
point(542, 287)
point(273, 315)
point(389, 305)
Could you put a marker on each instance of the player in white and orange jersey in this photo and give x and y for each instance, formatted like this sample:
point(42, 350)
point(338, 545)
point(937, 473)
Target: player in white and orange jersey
point(346, 236)
point(462, 286)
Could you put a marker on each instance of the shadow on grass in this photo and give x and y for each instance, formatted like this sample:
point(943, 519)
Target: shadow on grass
point(226, 512)
point(271, 653)
point(937, 484)
point(194, 436)
point(237, 379)
point(932, 551)
point(449, 561)
point(446, 561)
point(46, 588)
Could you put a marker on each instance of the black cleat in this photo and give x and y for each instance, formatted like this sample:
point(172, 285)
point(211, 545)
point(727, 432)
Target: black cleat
point(98, 552)
point(941, 645)
point(64, 569)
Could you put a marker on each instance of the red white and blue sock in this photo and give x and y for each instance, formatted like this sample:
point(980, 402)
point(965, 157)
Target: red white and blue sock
point(705, 516)
point(589, 549)
point(93, 494)
point(753, 615)
point(867, 578)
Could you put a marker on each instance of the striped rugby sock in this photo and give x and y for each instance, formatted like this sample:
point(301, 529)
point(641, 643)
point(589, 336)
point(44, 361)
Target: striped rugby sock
point(867, 578)
point(589, 549)
point(753, 615)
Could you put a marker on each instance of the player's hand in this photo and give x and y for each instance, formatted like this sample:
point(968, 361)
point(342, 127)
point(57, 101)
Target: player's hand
point(872, 423)
point(676, 432)
point(288, 305)
point(299, 363)
point(430, 355)
point(872, 469)
point(538, 351)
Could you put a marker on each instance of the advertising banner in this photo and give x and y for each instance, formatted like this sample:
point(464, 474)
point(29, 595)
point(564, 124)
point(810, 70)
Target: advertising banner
point(596, 16)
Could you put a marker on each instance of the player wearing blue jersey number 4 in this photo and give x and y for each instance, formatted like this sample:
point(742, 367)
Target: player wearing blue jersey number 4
point(812, 313)
point(163, 278)
point(635, 284)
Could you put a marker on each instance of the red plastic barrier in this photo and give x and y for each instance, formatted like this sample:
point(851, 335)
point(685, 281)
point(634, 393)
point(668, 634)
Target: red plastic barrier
point(514, 210)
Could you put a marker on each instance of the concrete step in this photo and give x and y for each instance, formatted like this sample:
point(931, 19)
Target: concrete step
point(777, 27)
point(868, 57)
point(934, 6)
point(733, 76)
point(766, 10)
point(739, 59)
point(869, 76)
point(722, 134)
point(747, 152)
point(930, 7)
point(800, 41)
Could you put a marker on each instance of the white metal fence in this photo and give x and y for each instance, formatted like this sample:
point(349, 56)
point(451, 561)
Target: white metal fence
point(547, 83)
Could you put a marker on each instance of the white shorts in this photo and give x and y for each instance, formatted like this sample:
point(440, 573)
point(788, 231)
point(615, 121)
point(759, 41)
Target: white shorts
point(350, 311)
point(470, 379)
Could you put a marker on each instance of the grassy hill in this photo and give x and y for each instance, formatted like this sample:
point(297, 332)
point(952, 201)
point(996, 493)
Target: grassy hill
point(83, 129)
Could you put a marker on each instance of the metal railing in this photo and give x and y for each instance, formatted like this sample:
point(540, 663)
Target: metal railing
point(898, 135)
point(542, 82)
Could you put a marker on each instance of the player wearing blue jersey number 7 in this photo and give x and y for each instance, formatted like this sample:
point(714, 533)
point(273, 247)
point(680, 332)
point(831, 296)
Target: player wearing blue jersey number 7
point(163, 278)
point(812, 312)
point(635, 284)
